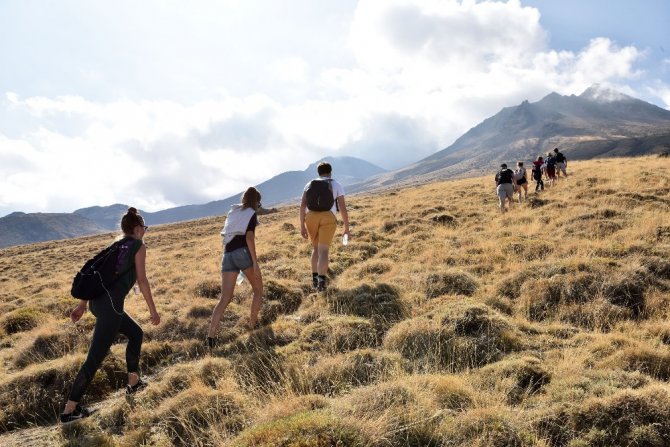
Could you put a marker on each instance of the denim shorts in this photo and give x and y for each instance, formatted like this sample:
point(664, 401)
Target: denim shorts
point(236, 260)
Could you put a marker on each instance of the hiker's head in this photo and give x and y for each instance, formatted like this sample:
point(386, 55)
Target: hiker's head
point(519, 164)
point(324, 168)
point(130, 221)
point(251, 198)
point(503, 166)
point(540, 158)
point(556, 150)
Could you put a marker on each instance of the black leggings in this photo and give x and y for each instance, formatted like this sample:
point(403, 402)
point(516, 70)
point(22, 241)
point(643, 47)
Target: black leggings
point(107, 325)
point(539, 185)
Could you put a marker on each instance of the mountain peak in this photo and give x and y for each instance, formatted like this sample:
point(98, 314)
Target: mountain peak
point(603, 94)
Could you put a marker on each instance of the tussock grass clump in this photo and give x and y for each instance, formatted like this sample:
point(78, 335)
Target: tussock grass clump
point(177, 330)
point(450, 283)
point(510, 286)
point(279, 300)
point(307, 429)
point(627, 291)
point(199, 415)
point(86, 434)
point(540, 298)
point(262, 371)
point(654, 362)
point(20, 320)
point(208, 372)
point(199, 311)
point(35, 396)
point(339, 334)
point(337, 374)
point(449, 392)
point(464, 335)
point(394, 413)
point(625, 419)
point(48, 346)
point(208, 289)
point(377, 267)
point(381, 302)
point(486, 427)
point(521, 377)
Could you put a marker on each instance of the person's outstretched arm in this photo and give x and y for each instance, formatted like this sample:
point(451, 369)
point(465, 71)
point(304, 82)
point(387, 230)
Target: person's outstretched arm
point(143, 283)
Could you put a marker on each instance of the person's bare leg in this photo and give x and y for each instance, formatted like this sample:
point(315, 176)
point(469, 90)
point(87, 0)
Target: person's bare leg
point(227, 289)
point(322, 264)
point(256, 281)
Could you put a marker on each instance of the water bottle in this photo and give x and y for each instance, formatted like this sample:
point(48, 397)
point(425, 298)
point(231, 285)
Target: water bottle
point(345, 239)
point(240, 278)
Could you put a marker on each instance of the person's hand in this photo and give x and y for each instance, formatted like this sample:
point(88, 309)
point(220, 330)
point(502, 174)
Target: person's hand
point(303, 232)
point(155, 319)
point(77, 313)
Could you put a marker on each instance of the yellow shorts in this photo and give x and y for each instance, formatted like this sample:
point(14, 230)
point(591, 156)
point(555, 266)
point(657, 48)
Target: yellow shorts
point(321, 226)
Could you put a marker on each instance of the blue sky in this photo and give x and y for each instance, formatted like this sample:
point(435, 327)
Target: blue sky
point(164, 103)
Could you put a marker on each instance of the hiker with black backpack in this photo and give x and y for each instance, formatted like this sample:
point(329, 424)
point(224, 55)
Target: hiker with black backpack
point(239, 256)
point(321, 199)
point(505, 186)
point(113, 271)
point(561, 163)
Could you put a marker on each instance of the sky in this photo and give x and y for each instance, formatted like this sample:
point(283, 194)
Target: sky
point(162, 103)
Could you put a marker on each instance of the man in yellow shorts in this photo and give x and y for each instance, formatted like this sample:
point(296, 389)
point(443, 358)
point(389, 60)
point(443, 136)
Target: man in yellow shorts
point(322, 198)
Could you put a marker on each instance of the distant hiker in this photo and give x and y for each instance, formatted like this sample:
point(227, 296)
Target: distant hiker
point(321, 199)
point(550, 162)
point(521, 180)
point(537, 173)
point(561, 163)
point(505, 184)
point(111, 319)
point(239, 255)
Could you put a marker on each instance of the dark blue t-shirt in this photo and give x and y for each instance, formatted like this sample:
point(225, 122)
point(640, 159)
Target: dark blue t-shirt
point(240, 240)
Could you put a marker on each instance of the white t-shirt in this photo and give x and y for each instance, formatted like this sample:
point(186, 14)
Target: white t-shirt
point(338, 191)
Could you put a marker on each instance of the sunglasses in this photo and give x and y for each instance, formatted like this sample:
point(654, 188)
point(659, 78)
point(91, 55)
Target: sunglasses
point(146, 227)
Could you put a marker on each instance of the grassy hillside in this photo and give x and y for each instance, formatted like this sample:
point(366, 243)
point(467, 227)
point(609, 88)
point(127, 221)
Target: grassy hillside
point(447, 324)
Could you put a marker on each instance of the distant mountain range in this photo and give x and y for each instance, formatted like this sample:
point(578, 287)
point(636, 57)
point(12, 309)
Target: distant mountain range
point(25, 228)
point(600, 122)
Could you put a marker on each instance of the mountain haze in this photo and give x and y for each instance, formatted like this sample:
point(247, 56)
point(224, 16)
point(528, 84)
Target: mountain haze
point(21, 228)
point(600, 122)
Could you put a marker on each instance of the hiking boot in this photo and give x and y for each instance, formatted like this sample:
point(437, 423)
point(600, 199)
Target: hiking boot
point(78, 413)
point(139, 386)
point(315, 281)
point(321, 286)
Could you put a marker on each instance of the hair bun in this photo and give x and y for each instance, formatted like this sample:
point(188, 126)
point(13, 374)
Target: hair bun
point(132, 210)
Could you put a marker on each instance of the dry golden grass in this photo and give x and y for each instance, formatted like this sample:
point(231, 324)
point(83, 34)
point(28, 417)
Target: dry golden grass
point(447, 324)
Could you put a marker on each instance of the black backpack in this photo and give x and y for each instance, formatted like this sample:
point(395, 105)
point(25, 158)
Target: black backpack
point(319, 195)
point(504, 176)
point(560, 158)
point(101, 271)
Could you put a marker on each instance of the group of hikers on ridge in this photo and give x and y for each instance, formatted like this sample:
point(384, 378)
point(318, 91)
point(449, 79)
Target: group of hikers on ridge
point(510, 182)
point(322, 199)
